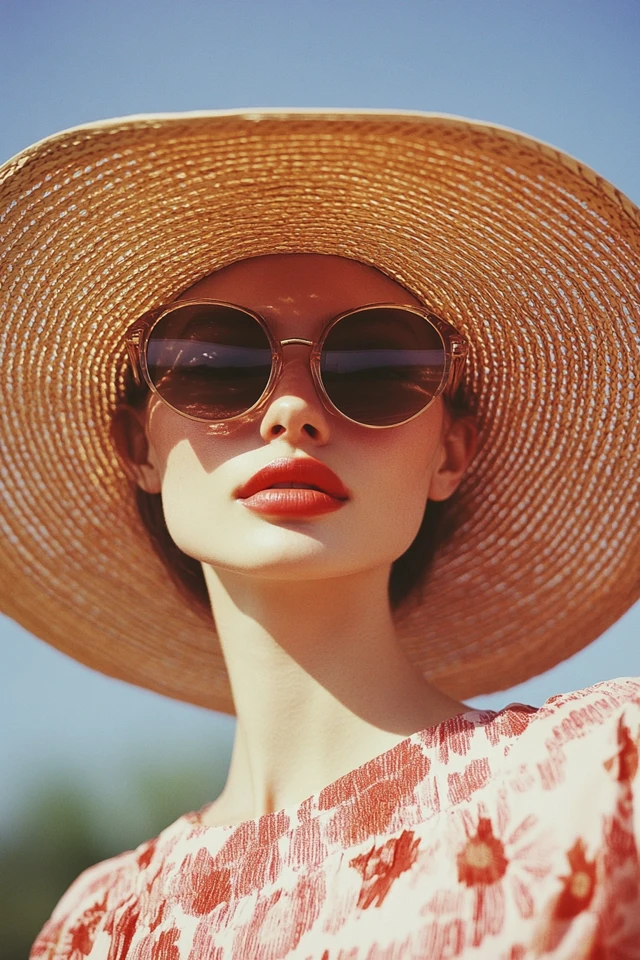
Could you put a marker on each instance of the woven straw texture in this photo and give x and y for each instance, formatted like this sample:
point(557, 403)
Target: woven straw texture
point(533, 256)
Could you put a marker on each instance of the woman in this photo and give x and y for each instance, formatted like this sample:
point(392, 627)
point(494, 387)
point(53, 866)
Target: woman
point(320, 346)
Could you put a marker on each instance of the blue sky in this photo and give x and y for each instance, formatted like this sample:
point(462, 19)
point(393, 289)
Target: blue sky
point(566, 72)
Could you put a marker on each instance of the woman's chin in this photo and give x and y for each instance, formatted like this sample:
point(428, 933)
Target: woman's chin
point(287, 553)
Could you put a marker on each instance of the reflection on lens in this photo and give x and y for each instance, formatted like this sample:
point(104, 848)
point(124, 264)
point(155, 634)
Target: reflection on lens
point(382, 366)
point(209, 361)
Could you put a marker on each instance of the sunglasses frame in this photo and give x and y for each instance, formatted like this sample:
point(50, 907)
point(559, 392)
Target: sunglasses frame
point(455, 345)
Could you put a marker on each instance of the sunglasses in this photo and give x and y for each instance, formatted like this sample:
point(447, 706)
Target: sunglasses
point(379, 365)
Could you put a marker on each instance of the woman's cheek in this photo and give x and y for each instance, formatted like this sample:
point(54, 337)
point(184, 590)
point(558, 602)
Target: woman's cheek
point(396, 505)
point(188, 502)
point(406, 469)
point(408, 517)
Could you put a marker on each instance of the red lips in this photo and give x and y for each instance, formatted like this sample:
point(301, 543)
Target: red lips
point(323, 491)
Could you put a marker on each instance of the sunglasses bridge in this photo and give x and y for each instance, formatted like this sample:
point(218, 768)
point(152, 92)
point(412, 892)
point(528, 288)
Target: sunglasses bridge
point(300, 342)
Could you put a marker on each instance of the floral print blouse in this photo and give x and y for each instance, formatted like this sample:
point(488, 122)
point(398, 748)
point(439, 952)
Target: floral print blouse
point(506, 836)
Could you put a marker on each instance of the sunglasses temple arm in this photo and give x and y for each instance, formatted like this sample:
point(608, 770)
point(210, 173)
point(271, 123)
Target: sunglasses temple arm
point(458, 370)
point(132, 350)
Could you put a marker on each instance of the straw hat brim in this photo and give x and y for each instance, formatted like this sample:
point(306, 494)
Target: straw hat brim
point(528, 252)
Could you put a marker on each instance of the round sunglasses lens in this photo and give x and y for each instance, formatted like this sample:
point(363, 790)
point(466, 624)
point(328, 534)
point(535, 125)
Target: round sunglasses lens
point(208, 361)
point(382, 366)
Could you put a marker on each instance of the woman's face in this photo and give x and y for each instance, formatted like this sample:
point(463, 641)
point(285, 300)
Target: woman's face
point(389, 474)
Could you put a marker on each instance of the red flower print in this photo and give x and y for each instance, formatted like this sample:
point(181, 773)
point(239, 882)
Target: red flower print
point(579, 885)
point(368, 798)
point(48, 938)
point(495, 864)
point(166, 946)
point(406, 762)
point(83, 932)
point(462, 785)
point(482, 859)
point(509, 723)
point(454, 734)
point(438, 940)
point(627, 756)
point(617, 888)
point(152, 896)
point(81, 940)
point(382, 865)
point(159, 917)
point(280, 920)
point(576, 723)
point(203, 947)
point(162, 947)
point(620, 848)
point(146, 853)
point(122, 928)
point(307, 846)
point(201, 885)
point(518, 952)
point(251, 854)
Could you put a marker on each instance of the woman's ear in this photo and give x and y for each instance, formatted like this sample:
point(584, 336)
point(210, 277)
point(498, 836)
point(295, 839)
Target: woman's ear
point(130, 440)
point(458, 447)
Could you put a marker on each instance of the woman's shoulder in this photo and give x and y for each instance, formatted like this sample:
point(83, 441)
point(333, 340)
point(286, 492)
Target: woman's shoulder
point(592, 725)
point(608, 693)
point(580, 711)
point(86, 898)
point(95, 893)
point(572, 715)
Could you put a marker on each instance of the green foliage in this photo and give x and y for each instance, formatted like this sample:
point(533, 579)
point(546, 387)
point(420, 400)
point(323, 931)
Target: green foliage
point(64, 828)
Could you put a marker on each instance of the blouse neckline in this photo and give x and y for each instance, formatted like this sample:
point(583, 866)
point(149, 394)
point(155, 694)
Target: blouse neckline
point(439, 737)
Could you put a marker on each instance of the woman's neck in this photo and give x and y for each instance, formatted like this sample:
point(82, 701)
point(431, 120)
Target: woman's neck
point(319, 682)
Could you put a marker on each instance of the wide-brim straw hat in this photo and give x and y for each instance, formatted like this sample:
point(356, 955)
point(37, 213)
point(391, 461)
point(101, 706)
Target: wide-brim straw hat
point(528, 252)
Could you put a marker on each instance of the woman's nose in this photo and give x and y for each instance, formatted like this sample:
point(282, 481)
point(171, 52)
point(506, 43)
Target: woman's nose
point(295, 411)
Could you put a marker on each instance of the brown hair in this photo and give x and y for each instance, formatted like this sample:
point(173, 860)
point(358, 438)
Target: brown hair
point(440, 519)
